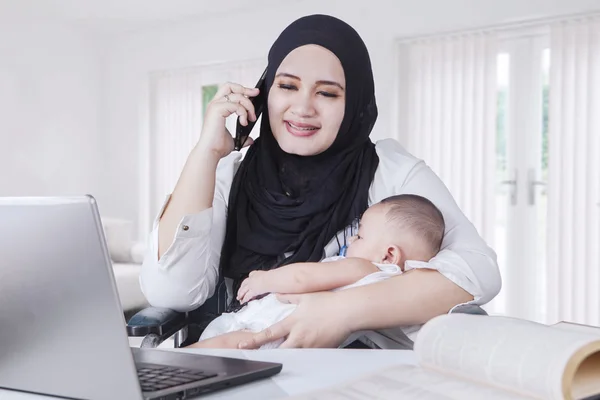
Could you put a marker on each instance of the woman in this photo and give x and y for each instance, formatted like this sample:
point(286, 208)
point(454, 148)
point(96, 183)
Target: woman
point(296, 194)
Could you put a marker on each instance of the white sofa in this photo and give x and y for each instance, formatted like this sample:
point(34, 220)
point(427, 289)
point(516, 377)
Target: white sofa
point(128, 286)
point(127, 256)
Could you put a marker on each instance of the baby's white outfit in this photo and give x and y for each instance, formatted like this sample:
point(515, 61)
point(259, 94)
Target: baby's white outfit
point(262, 313)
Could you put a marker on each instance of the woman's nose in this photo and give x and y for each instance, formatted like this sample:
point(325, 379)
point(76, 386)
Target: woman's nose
point(304, 106)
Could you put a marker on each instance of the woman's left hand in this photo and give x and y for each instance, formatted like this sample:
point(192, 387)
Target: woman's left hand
point(318, 321)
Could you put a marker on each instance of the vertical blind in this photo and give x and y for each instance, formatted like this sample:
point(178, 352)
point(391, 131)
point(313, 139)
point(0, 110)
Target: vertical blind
point(176, 117)
point(449, 113)
point(573, 291)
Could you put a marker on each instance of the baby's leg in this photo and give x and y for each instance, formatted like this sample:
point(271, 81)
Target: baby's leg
point(225, 341)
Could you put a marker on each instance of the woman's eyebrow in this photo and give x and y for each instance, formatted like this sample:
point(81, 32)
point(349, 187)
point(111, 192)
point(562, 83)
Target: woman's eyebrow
point(321, 82)
point(332, 83)
point(286, 75)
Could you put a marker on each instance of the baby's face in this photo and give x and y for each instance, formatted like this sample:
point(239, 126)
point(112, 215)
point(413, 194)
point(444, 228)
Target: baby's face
point(370, 242)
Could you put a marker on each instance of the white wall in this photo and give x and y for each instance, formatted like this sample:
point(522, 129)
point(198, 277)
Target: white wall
point(248, 36)
point(49, 99)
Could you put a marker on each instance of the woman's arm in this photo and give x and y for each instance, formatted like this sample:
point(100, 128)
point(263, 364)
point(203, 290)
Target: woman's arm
point(194, 193)
point(326, 319)
point(187, 273)
point(412, 298)
point(465, 259)
point(195, 187)
point(305, 277)
point(180, 269)
point(465, 270)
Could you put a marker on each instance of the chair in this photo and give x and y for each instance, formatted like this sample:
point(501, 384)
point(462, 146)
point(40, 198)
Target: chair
point(156, 325)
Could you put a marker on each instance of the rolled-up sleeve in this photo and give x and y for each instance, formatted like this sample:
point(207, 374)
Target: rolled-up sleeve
point(187, 273)
point(464, 258)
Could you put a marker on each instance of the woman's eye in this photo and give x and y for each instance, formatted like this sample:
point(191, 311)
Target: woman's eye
point(328, 94)
point(287, 87)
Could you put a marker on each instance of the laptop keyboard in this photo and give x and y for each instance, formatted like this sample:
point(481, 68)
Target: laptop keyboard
point(157, 377)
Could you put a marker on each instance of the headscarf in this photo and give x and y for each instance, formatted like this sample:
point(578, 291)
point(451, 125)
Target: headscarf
point(327, 191)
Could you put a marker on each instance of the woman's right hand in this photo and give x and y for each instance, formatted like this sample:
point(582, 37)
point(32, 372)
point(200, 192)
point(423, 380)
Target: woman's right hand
point(230, 98)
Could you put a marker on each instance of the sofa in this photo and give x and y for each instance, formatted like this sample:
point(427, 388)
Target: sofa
point(126, 255)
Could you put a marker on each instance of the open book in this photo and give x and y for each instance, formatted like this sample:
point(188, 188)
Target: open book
point(462, 356)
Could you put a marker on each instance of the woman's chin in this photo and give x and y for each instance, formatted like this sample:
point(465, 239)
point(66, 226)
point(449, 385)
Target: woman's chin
point(301, 146)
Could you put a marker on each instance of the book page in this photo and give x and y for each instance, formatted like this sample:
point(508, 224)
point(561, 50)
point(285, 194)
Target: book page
point(518, 355)
point(410, 382)
point(571, 326)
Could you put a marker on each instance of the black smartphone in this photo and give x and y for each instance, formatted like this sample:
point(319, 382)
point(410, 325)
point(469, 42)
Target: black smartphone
point(242, 132)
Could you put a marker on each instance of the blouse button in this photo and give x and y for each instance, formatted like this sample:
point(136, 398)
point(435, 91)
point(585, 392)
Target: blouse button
point(185, 227)
point(287, 194)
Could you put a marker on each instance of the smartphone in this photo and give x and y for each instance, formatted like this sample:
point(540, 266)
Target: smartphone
point(242, 132)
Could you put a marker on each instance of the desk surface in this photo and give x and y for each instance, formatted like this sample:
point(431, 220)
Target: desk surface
point(304, 370)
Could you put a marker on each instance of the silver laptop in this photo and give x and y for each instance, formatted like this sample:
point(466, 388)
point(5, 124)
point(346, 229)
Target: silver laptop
point(62, 329)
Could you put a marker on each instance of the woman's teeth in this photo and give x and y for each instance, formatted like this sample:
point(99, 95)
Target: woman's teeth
point(302, 129)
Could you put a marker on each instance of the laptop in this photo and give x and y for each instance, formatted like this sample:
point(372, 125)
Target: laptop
point(62, 329)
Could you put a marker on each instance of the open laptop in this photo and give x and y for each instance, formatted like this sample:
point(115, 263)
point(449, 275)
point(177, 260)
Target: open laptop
point(62, 330)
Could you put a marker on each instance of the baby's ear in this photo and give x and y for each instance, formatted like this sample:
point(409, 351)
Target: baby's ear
point(393, 255)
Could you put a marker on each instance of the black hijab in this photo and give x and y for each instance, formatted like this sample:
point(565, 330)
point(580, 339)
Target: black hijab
point(326, 191)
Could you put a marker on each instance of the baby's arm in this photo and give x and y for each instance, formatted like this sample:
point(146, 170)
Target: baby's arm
point(305, 277)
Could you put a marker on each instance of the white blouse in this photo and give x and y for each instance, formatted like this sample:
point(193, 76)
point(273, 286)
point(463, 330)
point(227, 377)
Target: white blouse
point(187, 273)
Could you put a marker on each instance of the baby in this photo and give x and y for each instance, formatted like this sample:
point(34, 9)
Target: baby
point(397, 229)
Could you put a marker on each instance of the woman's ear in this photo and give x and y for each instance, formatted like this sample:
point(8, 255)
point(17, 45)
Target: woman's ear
point(393, 255)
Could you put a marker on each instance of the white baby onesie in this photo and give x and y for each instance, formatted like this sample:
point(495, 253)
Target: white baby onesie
point(262, 313)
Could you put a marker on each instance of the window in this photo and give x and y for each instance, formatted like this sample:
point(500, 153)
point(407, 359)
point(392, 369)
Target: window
point(208, 92)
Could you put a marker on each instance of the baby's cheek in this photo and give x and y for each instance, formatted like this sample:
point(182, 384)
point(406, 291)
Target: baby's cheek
point(352, 250)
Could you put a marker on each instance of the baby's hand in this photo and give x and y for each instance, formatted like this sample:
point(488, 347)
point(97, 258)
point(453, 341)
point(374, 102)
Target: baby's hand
point(254, 285)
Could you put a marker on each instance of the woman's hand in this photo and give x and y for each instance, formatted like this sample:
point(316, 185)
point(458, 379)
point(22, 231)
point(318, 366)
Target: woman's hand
point(254, 285)
point(230, 98)
point(318, 321)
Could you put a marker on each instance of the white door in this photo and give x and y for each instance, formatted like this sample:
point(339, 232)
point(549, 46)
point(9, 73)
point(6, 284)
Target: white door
point(521, 165)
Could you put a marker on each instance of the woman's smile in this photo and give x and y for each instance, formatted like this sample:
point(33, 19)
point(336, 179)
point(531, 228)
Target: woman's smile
point(301, 129)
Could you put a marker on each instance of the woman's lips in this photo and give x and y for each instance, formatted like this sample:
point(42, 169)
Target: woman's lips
point(300, 129)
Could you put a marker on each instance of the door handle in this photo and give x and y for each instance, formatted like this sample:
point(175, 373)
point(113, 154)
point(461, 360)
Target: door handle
point(532, 183)
point(513, 188)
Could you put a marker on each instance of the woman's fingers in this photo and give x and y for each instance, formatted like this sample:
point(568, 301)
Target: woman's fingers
point(290, 343)
point(230, 87)
point(230, 98)
point(243, 101)
point(274, 332)
point(226, 108)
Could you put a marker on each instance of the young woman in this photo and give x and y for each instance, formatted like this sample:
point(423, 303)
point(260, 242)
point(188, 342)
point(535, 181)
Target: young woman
point(295, 195)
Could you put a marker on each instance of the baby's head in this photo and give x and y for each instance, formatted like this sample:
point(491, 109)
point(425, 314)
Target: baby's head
point(399, 228)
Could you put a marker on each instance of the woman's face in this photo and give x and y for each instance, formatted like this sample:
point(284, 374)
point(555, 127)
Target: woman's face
point(307, 100)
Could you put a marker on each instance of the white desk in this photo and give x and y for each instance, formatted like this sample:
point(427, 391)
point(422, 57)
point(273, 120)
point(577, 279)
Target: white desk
point(304, 370)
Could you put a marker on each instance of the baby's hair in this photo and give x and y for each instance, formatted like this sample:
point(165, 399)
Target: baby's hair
point(419, 216)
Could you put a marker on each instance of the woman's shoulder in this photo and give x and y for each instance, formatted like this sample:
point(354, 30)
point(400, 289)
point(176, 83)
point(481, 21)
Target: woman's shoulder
point(391, 151)
point(231, 162)
point(395, 164)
